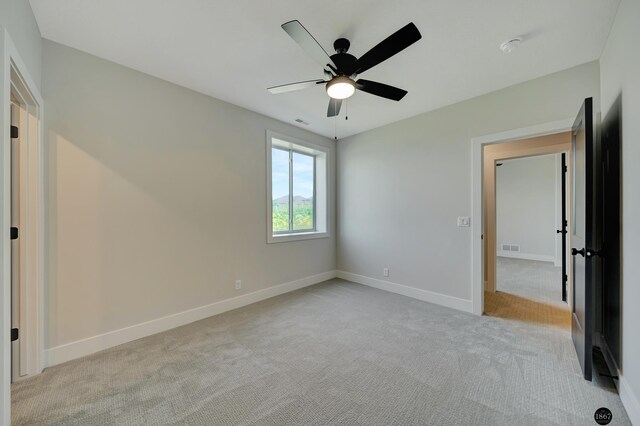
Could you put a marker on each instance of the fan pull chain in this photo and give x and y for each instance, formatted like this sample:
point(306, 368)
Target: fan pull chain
point(335, 127)
point(346, 107)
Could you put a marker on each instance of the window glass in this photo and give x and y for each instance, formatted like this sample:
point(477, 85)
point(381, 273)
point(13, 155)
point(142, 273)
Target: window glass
point(303, 189)
point(280, 189)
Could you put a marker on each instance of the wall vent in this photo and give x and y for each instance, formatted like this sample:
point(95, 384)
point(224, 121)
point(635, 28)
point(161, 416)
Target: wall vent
point(301, 121)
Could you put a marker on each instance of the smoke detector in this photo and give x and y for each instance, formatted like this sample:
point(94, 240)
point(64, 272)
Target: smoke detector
point(509, 45)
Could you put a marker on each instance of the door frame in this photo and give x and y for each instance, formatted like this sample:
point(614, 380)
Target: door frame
point(477, 196)
point(16, 78)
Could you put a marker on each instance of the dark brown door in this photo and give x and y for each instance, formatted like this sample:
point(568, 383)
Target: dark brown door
point(585, 234)
point(611, 291)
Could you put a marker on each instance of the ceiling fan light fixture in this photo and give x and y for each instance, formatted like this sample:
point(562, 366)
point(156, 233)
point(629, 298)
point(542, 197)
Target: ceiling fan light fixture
point(341, 87)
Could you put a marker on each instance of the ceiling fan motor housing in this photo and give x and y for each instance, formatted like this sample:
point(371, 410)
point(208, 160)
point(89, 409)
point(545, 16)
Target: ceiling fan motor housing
point(341, 58)
point(341, 45)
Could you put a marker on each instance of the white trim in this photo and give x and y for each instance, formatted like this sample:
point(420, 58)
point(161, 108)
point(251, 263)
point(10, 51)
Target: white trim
point(80, 348)
point(31, 225)
point(415, 293)
point(282, 238)
point(526, 256)
point(477, 143)
point(629, 400)
point(525, 132)
point(5, 247)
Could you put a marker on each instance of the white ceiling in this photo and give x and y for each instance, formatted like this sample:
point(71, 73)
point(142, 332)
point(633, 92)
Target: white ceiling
point(234, 49)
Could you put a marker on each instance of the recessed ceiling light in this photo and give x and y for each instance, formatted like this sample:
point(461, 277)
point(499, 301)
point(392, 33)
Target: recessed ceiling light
point(509, 45)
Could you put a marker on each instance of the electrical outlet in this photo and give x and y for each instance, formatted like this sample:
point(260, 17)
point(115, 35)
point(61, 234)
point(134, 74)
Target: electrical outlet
point(238, 285)
point(385, 272)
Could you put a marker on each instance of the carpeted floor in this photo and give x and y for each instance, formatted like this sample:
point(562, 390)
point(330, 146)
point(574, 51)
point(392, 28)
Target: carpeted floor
point(528, 291)
point(335, 353)
point(530, 279)
point(516, 308)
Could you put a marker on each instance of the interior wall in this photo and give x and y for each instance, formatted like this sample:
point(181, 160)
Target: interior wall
point(156, 199)
point(526, 207)
point(18, 19)
point(620, 82)
point(402, 186)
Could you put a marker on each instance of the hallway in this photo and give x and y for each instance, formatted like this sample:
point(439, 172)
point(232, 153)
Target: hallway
point(528, 291)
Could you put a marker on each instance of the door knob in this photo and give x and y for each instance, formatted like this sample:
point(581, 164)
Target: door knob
point(561, 231)
point(591, 253)
point(575, 252)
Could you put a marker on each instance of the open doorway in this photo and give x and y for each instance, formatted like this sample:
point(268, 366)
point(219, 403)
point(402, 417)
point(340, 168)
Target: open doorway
point(528, 257)
point(528, 270)
point(23, 218)
point(590, 165)
point(18, 274)
point(26, 219)
point(21, 303)
point(523, 182)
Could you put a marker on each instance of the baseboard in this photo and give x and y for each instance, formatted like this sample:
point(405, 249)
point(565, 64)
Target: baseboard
point(630, 401)
point(424, 295)
point(608, 356)
point(80, 348)
point(526, 256)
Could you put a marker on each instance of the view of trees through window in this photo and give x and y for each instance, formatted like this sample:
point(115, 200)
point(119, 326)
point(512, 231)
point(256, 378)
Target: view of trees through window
point(292, 188)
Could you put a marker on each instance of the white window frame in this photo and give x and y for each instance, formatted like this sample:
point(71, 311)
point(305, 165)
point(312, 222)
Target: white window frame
point(321, 187)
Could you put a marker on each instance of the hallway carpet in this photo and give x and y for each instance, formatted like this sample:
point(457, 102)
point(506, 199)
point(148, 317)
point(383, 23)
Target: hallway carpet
point(336, 353)
point(530, 279)
point(528, 291)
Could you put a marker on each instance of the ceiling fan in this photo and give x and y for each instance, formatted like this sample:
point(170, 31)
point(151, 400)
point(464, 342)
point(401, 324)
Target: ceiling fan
point(341, 68)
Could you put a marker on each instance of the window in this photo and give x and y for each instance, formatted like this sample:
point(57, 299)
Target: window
point(297, 189)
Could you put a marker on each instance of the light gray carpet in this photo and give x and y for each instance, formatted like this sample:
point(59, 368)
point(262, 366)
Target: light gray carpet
point(335, 353)
point(530, 279)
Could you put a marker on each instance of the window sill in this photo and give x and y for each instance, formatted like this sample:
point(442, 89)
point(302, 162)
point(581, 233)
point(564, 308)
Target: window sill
point(282, 238)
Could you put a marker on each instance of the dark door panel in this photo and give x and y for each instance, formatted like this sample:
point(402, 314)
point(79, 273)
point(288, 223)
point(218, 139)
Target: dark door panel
point(585, 234)
point(611, 172)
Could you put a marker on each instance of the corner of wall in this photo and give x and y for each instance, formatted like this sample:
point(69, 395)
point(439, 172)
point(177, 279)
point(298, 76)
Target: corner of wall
point(415, 293)
point(84, 347)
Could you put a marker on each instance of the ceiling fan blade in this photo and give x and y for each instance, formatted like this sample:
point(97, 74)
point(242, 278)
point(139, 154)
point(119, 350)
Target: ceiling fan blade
point(334, 107)
point(380, 89)
point(294, 86)
point(388, 47)
point(310, 45)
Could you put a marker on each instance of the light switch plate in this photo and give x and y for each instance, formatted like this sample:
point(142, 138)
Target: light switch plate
point(464, 221)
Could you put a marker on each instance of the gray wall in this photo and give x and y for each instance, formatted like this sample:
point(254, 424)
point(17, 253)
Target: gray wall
point(16, 16)
point(156, 199)
point(526, 205)
point(620, 78)
point(402, 186)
